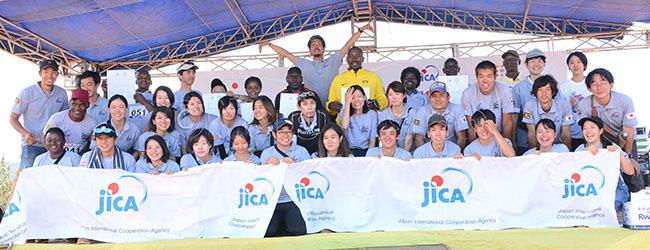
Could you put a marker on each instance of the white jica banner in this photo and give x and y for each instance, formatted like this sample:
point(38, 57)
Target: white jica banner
point(369, 194)
point(233, 200)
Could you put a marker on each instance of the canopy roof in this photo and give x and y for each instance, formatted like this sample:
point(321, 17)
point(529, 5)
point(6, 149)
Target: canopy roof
point(137, 34)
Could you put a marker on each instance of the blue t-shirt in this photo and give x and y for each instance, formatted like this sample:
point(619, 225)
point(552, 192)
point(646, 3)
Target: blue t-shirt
point(142, 166)
point(173, 139)
point(70, 159)
point(188, 161)
point(253, 158)
point(404, 121)
point(399, 153)
point(556, 148)
point(492, 149)
point(426, 151)
point(361, 129)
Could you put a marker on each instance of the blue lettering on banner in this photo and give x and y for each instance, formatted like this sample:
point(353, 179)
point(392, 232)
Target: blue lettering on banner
point(434, 193)
point(109, 201)
point(573, 188)
point(247, 198)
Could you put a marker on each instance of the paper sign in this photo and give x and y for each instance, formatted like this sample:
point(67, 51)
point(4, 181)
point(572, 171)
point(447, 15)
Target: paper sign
point(455, 86)
point(121, 82)
point(288, 103)
point(211, 102)
point(343, 90)
point(246, 110)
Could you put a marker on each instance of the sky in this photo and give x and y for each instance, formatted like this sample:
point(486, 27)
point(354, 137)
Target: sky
point(627, 66)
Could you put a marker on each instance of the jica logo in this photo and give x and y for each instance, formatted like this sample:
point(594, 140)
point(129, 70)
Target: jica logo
point(112, 200)
point(430, 73)
point(248, 198)
point(13, 208)
point(314, 186)
point(573, 187)
point(436, 191)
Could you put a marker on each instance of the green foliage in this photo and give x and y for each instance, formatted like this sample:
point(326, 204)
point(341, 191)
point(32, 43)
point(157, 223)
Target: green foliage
point(6, 182)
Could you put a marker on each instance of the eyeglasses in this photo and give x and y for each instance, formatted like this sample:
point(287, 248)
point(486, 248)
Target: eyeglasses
point(103, 130)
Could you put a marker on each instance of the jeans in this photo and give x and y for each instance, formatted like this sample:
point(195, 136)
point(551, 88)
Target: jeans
point(28, 155)
point(622, 194)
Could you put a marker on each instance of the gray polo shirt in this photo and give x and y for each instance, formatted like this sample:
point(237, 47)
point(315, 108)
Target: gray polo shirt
point(521, 94)
point(36, 106)
point(99, 110)
point(405, 121)
point(456, 121)
point(416, 100)
point(556, 148)
point(492, 149)
point(399, 153)
point(426, 151)
point(221, 132)
point(259, 139)
point(499, 101)
point(173, 139)
point(361, 129)
point(69, 159)
point(77, 134)
point(253, 158)
point(185, 126)
point(560, 113)
point(179, 97)
point(187, 161)
point(315, 155)
point(318, 75)
point(618, 113)
point(142, 166)
point(296, 152)
point(138, 115)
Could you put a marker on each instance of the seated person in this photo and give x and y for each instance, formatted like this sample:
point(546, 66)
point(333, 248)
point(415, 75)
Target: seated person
point(308, 121)
point(106, 155)
point(399, 112)
point(156, 158)
point(490, 142)
point(287, 215)
point(332, 143)
point(439, 146)
point(358, 121)
point(54, 140)
point(200, 145)
point(240, 141)
point(592, 129)
point(388, 131)
point(545, 133)
point(223, 125)
point(264, 115)
point(161, 122)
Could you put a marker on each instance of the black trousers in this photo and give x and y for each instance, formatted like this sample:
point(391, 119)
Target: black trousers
point(286, 221)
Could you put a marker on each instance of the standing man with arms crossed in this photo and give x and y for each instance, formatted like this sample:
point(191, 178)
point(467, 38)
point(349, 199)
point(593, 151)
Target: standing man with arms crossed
point(36, 104)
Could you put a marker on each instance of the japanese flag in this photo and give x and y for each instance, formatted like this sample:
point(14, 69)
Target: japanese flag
point(631, 115)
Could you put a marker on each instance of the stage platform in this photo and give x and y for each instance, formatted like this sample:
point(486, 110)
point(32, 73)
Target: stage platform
point(559, 238)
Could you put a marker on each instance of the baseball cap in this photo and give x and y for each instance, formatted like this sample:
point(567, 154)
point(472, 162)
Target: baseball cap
point(186, 66)
point(535, 53)
point(104, 129)
point(594, 119)
point(437, 119)
point(49, 63)
point(277, 125)
point(81, 95)
point(438, 86)
point(510, 53)
point(306, 95)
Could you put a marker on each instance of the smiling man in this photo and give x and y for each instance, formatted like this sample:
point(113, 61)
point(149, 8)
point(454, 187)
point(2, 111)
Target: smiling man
point(36, 104)
point(411, 78)
point(521, 94)
point(76, 125)
point(295, 86)
point(320, 71)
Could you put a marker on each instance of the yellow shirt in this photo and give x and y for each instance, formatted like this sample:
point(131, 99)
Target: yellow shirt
point(509, 81)
point(363, 78)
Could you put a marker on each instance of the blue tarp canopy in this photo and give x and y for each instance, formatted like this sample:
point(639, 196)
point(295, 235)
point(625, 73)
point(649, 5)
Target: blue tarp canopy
point(131, 31)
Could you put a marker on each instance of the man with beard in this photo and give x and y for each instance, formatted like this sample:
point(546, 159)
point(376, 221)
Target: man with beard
point(295, 86)
point(320, 71)
point(411, 78)
point(511, 63)
point(75, 124)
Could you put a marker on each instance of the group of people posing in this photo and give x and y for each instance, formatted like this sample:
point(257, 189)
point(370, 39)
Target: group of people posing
point(164, 132)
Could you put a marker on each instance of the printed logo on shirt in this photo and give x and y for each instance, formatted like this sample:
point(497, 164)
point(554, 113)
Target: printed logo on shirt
point(436, 191)
point(365, 129)
point(128, 138)
point(67, 133)
point(495, 105)
point(579, 113)
point(313, 186)
point(101, 113)
point(527, 115)
point(249, 195)
point(416, 122)
point(463, 119)
point(58, 100)
point(584, 183)
point(111, 201)
point(465, 106)
point(557, 119)
point(615, 115)
point(17, 100)
point(630, 115)
point(364, 82)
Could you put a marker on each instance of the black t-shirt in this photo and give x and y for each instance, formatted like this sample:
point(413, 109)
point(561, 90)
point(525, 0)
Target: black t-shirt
point(308, 137)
